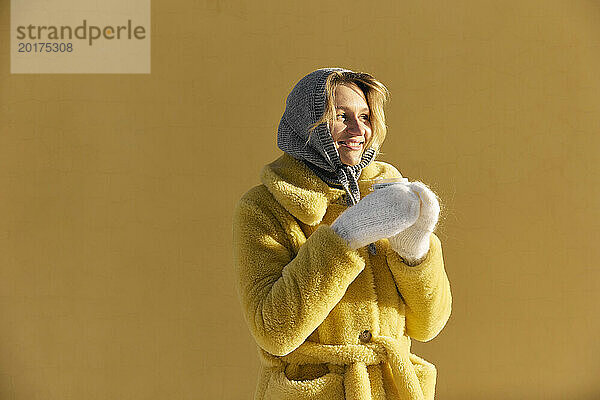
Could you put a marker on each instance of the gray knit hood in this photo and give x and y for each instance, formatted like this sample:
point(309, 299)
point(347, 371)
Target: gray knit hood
point(304, 106)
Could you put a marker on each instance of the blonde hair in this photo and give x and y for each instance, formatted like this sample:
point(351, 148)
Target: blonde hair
point(376, 95)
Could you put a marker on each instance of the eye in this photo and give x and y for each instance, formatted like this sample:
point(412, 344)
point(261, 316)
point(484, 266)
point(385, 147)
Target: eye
point(341, 115)
point(365, 117)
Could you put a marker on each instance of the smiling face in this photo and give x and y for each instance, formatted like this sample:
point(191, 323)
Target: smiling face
point(351, 129)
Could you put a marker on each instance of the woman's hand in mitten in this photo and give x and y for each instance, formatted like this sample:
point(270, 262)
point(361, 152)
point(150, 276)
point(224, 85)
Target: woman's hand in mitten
point(412, 244)
point(379, 215)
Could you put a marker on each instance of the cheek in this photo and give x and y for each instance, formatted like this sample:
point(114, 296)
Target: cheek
point(368, 133)
point(335, 131)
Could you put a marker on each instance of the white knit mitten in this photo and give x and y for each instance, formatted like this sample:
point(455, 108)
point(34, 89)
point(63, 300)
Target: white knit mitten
point(379, 215)
point(412, 244)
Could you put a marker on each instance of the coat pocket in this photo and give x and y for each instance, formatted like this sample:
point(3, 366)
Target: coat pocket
point(328, 386)
point(426, 373)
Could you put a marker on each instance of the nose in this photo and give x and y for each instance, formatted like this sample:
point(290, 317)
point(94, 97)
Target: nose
point(354, 126)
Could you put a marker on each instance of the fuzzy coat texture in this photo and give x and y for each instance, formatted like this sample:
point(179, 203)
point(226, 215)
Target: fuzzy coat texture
point(331, 322)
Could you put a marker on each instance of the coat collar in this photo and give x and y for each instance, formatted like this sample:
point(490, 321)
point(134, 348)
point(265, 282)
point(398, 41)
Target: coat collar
point(303, 194)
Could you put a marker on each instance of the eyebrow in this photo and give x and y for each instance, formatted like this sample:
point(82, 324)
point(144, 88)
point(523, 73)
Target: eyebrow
point(348, 108)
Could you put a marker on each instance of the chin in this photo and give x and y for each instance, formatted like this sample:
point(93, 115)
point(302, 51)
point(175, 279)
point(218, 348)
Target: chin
point(350, 162)
point(350, 157)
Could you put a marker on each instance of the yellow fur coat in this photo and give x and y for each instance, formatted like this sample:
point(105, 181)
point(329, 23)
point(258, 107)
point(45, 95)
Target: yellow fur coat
point(331, 322)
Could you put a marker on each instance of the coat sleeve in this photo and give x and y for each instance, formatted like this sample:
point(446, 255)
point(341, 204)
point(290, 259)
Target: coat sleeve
point(426, 291)
point(286, 296)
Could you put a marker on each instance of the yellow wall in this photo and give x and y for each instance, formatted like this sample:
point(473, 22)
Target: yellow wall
point(117, 191)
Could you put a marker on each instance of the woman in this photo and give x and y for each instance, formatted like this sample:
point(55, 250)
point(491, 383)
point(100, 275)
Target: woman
point(334, 282)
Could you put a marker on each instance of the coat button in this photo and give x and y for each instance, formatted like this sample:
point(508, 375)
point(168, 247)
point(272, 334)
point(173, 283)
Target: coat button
point(365, 336)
